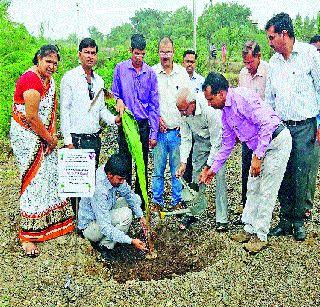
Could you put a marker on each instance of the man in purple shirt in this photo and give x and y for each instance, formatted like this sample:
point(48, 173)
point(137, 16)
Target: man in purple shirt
point(135, 87)
point(246, 117)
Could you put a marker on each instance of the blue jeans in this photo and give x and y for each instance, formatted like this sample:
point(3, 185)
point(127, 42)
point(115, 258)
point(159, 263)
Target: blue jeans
point(168, 145)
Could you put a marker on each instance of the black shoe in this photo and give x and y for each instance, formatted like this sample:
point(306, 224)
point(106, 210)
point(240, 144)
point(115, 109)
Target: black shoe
point(221, 227)
point(238, 222)
point(282, 229)
point(299, 233)
point(107, 255)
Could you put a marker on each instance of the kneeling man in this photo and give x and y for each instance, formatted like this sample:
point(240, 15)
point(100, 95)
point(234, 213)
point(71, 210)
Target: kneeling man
point(106, 217)
point(246, 117)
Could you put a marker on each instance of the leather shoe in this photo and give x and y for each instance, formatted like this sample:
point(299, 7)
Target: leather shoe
point(299, 233)
point(281, 230)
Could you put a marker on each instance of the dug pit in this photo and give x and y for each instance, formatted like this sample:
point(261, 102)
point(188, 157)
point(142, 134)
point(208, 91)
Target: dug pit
point(177, 253)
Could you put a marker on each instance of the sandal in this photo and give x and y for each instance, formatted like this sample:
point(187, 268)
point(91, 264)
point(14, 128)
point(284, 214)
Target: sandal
point(186, 222)
point(30, 249)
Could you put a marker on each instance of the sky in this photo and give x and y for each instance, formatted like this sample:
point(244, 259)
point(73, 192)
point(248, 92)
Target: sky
point(63, 17)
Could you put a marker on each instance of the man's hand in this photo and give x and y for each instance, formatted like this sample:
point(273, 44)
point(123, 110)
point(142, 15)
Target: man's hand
point(162, 125)
point(152, 143)
point(181, 169)
point(206, 175)
point(120, 106)
point(318, 135)
point(139, 244)
point(255, 166)
point(118, 120)
point(69, 146)
point(143, 222)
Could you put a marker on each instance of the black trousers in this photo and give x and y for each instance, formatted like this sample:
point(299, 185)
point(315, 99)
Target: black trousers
point(187, 176)
point(294, 193)
point(88, 141)
point(144, 131)
point(246, 164)
point(85, 141)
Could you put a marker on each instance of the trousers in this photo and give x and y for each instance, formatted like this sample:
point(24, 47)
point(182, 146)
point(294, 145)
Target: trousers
point(201, 151)
point(121, 218)
point(262, 190)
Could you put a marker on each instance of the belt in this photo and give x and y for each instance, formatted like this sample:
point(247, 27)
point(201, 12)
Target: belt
point(176, 128)
point(278, 130)
point(86, 136)
point(299, 122)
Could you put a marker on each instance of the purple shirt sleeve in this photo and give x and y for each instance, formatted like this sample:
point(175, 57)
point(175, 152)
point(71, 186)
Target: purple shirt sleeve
point(154, 112)
point(262, 115)
point(116, 84)
point(228, 142)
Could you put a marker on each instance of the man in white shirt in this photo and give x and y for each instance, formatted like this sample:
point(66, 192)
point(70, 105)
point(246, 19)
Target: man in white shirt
point(189, 63)
point(292, 89)
point(80, 109)
point(171, 77)
point(203, 124)
point(252, 76)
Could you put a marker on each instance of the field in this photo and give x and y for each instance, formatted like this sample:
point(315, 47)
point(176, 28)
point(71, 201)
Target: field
point(194, 268)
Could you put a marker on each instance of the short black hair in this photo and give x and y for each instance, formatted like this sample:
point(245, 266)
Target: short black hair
point(88, 42)
point(251, 46)
point(117, 165)
point(281, 22)
point(315, 39)
point(138, 42)
point(44, 51)
point(190, 51)
point(217, 82)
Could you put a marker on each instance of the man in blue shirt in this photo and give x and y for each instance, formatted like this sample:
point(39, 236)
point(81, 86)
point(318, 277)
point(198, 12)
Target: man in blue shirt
point(106, 217)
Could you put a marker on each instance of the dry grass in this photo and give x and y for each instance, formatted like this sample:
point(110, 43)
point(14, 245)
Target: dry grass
point(285, 274)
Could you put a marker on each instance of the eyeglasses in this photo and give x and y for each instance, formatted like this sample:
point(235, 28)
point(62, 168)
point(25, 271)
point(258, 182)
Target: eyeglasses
point(91, 92)
point(184, 112)
point(166, 53)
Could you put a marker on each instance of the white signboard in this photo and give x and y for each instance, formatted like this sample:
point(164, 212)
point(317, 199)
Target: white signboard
point(76, 169)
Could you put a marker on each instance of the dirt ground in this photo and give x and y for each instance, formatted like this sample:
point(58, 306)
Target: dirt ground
point(193, 268)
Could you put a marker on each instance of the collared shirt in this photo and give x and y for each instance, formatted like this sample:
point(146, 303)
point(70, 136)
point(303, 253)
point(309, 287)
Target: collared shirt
point(139, 92)
point(169, 85)
point(97, 208)
point(75, 103)
point(196, 83)
point(246, 117)
point(256, 83)
point(293, 85)
point(206, 124)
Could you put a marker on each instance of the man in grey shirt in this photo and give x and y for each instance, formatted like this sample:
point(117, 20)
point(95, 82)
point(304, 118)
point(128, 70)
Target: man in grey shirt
point(106, 217)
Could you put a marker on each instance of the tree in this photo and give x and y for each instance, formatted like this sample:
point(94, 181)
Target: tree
point(96, 35)
point(149, 22)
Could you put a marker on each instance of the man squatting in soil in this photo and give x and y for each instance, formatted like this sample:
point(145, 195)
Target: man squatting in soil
point(202, 124)
point(105, 218)
point(245, 116)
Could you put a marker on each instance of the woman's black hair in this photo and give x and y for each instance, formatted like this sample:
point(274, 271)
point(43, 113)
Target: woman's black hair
point(44, 51)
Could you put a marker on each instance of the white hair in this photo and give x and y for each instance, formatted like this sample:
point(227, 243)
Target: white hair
point(185, 95)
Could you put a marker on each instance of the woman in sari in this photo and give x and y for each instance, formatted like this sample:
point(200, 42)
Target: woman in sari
point(44, 215)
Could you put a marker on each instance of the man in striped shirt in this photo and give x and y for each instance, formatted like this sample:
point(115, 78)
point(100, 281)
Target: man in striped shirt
point(292, 89)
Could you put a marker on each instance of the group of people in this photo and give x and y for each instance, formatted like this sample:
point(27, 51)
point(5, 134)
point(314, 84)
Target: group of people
point(191, 121)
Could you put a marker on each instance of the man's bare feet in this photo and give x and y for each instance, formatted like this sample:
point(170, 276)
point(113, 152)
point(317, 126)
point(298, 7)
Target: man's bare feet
point(30, 249)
